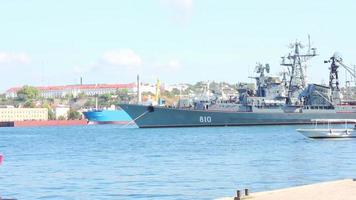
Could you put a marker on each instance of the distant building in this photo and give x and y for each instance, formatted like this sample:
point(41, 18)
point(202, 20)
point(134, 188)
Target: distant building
point(61, 112)
point(180, 87)
point(75, 90)
point(23, 114)
point(147, 87)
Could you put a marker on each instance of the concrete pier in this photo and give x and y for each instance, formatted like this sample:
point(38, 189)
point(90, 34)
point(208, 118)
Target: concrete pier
point(335, 190)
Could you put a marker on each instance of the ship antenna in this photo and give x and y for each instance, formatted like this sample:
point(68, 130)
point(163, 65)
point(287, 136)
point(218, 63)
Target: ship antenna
point(309, 46)
point(138, 85)
point(296, 66)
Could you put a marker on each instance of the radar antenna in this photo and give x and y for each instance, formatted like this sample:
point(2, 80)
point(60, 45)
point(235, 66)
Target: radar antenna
point(261, 80)
point(260, 69)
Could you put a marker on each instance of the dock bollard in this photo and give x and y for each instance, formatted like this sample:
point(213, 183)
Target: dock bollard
point(238, 195)
point(246, 192)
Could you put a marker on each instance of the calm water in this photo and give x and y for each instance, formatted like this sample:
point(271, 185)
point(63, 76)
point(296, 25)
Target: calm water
point(110, 162)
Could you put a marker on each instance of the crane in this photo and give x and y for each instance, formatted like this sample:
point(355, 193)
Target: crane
point(337, 62)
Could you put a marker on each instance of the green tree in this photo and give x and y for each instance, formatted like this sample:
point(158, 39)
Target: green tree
point(105, 100)
point(175, 91)
point(61, 118)
point(73, 114)
point(4, 100)
point(123, 94)
point(90, 102)
point(147, 94)
point(82, 95)
point(28, 93)
point(105, 97)
point(167, 94)
point(51, 115)
point(69, 97)
point(29, 104)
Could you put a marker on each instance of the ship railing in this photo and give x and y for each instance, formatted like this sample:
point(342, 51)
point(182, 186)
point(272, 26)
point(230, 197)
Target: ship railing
point(318, 122)
point(317, 107)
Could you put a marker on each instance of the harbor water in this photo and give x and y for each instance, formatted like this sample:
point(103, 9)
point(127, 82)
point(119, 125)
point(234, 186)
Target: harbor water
point(111, 162)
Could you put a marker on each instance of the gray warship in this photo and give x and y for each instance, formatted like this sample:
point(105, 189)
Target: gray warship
point(276, 101)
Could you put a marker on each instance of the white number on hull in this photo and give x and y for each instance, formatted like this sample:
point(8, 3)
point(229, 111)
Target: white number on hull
point(205, 119)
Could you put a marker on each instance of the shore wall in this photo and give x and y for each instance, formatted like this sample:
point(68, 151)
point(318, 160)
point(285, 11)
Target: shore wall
point(51, 123)
point(44, 123)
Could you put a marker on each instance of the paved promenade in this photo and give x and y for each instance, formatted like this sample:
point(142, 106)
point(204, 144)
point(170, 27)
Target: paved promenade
point(335, 190)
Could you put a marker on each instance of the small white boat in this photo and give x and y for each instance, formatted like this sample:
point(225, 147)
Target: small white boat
point(330, 132)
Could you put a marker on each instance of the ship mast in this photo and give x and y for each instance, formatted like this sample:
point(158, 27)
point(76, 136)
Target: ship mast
point(295, 62)
point(139, 96)
point(336, 62)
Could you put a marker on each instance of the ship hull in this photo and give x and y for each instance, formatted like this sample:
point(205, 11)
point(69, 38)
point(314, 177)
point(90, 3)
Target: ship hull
point(327, 133)
point(107, 117)
point(153, 117)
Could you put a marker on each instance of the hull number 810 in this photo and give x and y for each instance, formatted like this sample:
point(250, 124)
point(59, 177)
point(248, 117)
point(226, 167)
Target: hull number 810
point(205, 119)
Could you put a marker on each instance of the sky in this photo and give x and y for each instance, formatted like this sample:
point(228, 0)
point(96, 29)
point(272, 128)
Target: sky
point(50, 42)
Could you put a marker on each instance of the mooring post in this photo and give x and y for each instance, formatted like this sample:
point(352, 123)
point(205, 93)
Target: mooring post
point(238, 195)
point(246, 192)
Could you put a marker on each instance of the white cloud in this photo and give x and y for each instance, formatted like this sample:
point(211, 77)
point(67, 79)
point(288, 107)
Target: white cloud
point(182, 8)
point(113, 61)
point(184, 5)
point(14, 58)
point(125, 63)
point(122, 58)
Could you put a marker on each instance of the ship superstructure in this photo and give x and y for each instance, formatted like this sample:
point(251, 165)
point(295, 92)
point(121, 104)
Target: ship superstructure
point(271, 90)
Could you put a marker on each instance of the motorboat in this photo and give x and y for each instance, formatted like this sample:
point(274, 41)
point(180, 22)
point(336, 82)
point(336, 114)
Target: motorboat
point(325, 128)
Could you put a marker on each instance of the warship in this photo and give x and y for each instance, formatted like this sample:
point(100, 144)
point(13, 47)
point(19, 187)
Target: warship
point(287, 101)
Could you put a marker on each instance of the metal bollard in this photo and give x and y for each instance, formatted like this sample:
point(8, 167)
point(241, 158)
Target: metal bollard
point(246, 192)
point(238, 195)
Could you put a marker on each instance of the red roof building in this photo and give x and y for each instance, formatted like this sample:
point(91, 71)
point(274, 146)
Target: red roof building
point(75, 90)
